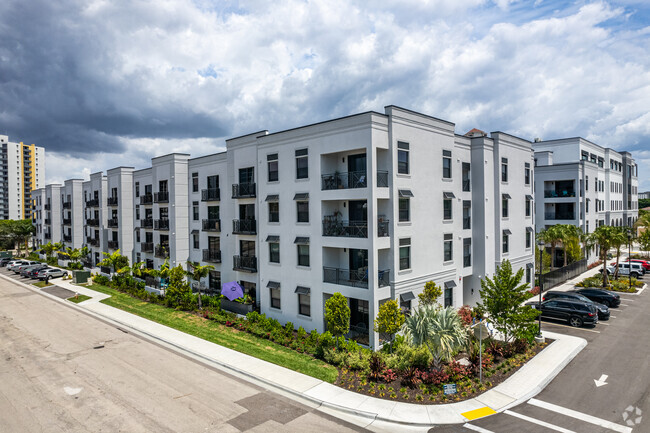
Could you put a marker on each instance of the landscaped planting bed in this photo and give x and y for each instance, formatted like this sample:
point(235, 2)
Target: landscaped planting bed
point(620, 285)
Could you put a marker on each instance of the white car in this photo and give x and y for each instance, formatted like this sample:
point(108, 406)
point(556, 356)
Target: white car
point(11, 265)
point(624, 269)
point(19, 268)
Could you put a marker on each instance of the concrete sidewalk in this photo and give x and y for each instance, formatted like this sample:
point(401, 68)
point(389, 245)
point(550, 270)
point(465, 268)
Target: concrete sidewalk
point(369, 412)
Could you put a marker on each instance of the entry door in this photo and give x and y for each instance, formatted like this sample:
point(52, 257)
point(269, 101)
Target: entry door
point(357, 211)
point(358, 259)
point(357, 170)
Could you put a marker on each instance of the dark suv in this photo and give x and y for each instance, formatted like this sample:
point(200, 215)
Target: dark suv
point(577, 313)
point(605, 297)
point(603, 311)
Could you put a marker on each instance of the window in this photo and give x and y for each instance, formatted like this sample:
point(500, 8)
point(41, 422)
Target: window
point(466, 176)
point(274, 252)
point(137, 213)
point(303, 211)
point(587, 206)
point(214, 282)
point(506, 241)
point(467, 252)
point(195, 241)
point(272, 163)
point(586, 183)
point(402, 157)
point(446, 209)
point(528, 205)
point(274, 212)
point(526, 173)
point(504, 169)
point(303, 255)
point(528, 275)
point(302, 164)
point(195, 210)
point(137, 237)
point(449, 296)
point(585, 156)
point(405, 253)
point(137, 189)
point(467, 214)
point(275, 297)
point(448, 247)
point(446, 164)
point(504, 205)
point(195, 182)
point(304, 304)
point(529, 236)
point(404, 209)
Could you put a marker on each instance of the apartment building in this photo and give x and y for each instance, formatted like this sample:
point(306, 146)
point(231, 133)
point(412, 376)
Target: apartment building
point(95, 214)
point(581, 183)
point(72, 213)
point(120, 211)
point(47, 215)
point(22, 170)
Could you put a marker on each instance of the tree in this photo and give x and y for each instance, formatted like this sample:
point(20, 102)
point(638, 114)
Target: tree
point(571, 237)
point(439, 329)
point(178, 291)
point(197, 272)
point(116, 261)
point(49, 249)
point(430, 295)
point(337, 315)
point(552, 236)
point(602, 236)
point(502, 298)
point(644, 241)
point(389, 320)
point(618, 239)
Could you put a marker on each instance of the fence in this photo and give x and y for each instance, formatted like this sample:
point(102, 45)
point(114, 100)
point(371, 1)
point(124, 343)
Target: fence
point(563, 274)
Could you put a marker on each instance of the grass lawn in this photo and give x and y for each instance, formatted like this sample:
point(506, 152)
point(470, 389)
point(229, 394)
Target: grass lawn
point(220, 334)
point(42, 284)
point(79, 298)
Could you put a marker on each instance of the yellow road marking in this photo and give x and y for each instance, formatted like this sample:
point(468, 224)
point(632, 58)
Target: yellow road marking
point(478, 413)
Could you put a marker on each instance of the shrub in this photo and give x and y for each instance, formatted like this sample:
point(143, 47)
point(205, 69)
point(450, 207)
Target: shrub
point(411, 377)
point(359, 360)
point(101, 280)
point(335, 357)
point(376, 366)
point(457, 371)
point(389, 376)
point(301, 334)
point(465, 314)
point(406, 356)
point(435, 377)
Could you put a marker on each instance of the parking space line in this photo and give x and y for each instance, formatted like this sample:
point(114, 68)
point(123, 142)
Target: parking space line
point(573, 327)
point(604, 324)
point(581, 416)
point(624, 305)
point(477, 428)
point(538, 422)
point(612, 317)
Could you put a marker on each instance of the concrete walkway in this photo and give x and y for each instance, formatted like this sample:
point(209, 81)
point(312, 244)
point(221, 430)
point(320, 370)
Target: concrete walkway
point(369, 412)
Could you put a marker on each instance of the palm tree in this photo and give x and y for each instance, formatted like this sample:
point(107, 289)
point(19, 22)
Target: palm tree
point(49, 249)
point(618, 240)
point(602, 237)
point(440, 330)
point(197, 272)
point(571, 235)
point(552, 236)
point(116, 261)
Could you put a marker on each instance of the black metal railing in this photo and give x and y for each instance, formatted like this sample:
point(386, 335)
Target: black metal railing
point(382, 179)
point(105, 270)
point(348, 229)
point(146, 223)
point(211, 225)
point(146, 199)
point(466, 185)
point(113, 222)
point(146, 247)
point(161, 197)
point(213, 256)
point(352, 179)
point(92, 241)
point(47, 206)
point(558, 276)
point(87, 263)
point(161, 224)
point(162, 251)
point(243, 190)
point(382, 229)
point(47, 221)
point(67, 221)
point(92, 222)
point(92, 203)
point(559, 193)
point(244, 227)
point(354, 278)
point(244, 263)
point(113, 245)
point(47, 235)
point(111, 201)
point(211, 194)
point(559, 215)
point(67, 238)
point(67, 205)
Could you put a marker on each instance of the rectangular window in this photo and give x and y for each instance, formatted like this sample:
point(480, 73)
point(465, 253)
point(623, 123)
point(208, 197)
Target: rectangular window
point(467, 214)
point(586, 183)
point(467, 252)
point(504, 206)
point(402, 157)
point(449, 247)
point(506, 241)
point(446, 164)
point(304, 304)
point(195, 182)
point(404, 209)
point(274, 252)
point(504, 169)
point(585, 156)
point(528, 206)
point(274, 212)
point(303, 255)
point(526, 173)
point(302, 164)
point(137, 237)
point(405, 253)
point(449, 297)
point(275, 297)
point(137, 189)
point(529, 236)
point(446, 208)
point(303, 211)
point(466, 176)
point(195, 210)
point(528, 275)
point(137, 213)
point(214, 282)
point(195, 241)
point(272, 163)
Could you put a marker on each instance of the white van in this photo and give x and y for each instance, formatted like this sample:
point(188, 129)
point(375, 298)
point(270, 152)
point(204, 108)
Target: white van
point(624, 269)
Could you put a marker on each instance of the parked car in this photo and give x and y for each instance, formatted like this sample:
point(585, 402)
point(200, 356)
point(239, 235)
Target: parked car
point(625, 269)
point(5, 260)
point(644, 263)
point(51, 273)
point(27, 263)
point(25, 270)
point(33, 273)
point(604, 297)
point(603, 311)
point(576, 313)
point(14, 263)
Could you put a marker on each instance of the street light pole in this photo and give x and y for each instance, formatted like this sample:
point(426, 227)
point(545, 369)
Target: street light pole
point(540, 246)
point(629, 258)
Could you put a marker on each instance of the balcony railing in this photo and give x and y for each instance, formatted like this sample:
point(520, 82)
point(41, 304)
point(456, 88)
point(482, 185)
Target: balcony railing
point(92, 241)
point(113, 245)
point(106, 270)
point(92, 203)
point(47, 221)
point(111, 201)
point(243, 190)
point(467, 223)
point(211, 194)
point(354, 278)
point(113, 222)
point(162, 251)
point(67, 205)
point(161, 197)
point(47, 206)
point(559, 194)
point(559, 216)
point(87, 263)
point(242, 263)
point(161, 224)
point(146, 223)
point(382, 179)
point(211, 225)
point(353, 179)
point(382, 228)
point(92, 222)
point(146, 247)
point(47, 235)
point(67, 238)
point(213, 256)
point(146, 199)
point(244, 227)
point(347, 229)
point(67, 221)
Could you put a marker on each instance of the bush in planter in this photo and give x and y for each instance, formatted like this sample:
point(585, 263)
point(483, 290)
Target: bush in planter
point(101, 280)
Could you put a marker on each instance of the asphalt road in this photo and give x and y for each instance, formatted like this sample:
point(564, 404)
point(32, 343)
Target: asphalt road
point(618, 348)
point(63, 371)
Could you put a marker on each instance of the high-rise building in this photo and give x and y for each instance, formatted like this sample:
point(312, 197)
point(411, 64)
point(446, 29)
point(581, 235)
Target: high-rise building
point(22, 170)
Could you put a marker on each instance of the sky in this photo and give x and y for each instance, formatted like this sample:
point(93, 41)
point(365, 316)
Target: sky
point(107, 83)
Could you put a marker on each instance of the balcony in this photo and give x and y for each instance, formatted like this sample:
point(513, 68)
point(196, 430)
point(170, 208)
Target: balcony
point(47, 206)
point(211, 225)
point(382, 228)
point(67, 238)
point(244, 227)
point(559, 215)
point(93, 222)
point(211, 194)
point(146, 247)
point(347, 229)
point(67, 221)
point(243, 190)
point(213, 256)
point(353, 179)
point(382, 179)
point(113, 245)
point(146, 199)
point(246, 264)
point(47, 221)
point(161, 224)
point(146, 223)
point(47, 235)
point(111, 201)
point(162, 251)
point(113, 223)
point(67, 205)
point(92, 241)
point(358, 278)
point(559, 193)
point(161, 197)
point(92, 203)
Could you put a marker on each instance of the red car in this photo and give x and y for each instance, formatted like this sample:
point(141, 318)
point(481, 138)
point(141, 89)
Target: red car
point(644, 263)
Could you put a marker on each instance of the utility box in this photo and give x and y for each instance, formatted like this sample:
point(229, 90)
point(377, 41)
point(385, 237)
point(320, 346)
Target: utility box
point(4, 254)
point(80, 277)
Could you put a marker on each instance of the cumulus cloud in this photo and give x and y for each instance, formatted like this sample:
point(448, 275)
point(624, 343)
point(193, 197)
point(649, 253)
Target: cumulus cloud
point(102, 83)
